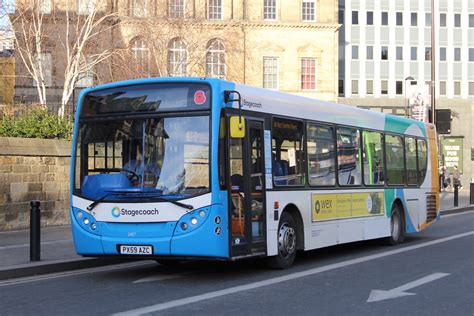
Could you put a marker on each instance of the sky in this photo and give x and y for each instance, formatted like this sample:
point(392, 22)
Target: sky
point(5, 4)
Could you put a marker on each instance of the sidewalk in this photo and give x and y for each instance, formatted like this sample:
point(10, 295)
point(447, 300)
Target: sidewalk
point(58, 254)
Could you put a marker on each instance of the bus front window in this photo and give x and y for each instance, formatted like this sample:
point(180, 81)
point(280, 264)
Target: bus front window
point(160, 156)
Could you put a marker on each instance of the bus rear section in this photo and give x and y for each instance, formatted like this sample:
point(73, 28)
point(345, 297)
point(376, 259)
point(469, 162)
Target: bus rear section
point(141, 170)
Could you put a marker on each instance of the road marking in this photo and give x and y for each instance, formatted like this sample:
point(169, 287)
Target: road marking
point(289, 277)
point(73, 273)
point(457, 214)
point(42, 244)
point(380, 295)
point(162, 277)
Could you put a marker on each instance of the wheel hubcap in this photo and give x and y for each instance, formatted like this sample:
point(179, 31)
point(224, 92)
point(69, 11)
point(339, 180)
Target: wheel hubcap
point(286, 240)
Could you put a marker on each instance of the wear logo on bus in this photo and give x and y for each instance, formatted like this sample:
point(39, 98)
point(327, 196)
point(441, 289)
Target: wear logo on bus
point(317, 207)
point(116, 212)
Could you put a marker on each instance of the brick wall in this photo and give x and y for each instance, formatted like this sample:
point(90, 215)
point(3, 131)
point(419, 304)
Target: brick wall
point(33, 169)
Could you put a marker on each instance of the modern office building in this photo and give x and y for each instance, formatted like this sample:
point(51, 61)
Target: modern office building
point(385, 63)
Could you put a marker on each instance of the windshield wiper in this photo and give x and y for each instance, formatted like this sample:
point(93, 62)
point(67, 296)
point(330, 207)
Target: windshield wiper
point(101, 199)
point(147, 197)
point(162, 199)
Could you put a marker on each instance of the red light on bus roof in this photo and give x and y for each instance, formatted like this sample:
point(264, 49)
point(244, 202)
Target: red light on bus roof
point(199, 97)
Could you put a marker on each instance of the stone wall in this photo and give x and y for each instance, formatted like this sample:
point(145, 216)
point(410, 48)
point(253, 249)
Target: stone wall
point(33, 169)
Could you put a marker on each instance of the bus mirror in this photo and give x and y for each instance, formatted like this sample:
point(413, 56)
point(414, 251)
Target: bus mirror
point(237, 127)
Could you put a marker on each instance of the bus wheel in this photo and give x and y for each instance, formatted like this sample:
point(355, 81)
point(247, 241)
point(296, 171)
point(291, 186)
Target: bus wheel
point(397, 226)
point(286, 243)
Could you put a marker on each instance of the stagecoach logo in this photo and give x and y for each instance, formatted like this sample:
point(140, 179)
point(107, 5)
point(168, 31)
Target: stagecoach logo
point(116, 212)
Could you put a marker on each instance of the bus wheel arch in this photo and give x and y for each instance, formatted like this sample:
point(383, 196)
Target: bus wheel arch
point(397, 224)
point(290, 238)
point(295, 213)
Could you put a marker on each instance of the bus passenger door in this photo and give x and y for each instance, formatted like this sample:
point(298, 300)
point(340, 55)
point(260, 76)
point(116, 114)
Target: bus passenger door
point(247, 192)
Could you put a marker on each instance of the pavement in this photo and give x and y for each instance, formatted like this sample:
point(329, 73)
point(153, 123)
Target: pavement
point(58, 254)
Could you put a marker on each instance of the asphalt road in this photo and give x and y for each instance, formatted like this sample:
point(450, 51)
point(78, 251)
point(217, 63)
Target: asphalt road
point(432, 273)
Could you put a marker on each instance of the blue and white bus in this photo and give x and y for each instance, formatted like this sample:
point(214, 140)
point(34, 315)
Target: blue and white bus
point(192, 168)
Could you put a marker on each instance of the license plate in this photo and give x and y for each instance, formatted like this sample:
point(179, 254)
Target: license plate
point(136, 250)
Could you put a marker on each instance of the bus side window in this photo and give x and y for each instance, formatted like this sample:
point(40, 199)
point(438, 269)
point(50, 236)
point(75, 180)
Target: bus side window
point(373, 158)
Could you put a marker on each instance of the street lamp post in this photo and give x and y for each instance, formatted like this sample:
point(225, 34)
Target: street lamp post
point(407, 109)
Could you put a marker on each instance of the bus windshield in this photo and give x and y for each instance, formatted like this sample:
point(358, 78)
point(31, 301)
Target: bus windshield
point(166, 156)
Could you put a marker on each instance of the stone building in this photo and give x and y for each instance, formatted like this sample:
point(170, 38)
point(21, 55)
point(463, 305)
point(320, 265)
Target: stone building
point(286, 45)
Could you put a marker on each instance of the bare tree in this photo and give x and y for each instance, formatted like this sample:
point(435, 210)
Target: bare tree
point(81, 42)
point(30, 36)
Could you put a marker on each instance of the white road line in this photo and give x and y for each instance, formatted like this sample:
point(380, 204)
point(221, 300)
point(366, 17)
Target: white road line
point(73, 273)
point(457, 214)
point(289, 277)
point(42, 244)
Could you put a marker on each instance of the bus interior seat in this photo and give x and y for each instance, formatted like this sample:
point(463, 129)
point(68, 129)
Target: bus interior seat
point(281, 169)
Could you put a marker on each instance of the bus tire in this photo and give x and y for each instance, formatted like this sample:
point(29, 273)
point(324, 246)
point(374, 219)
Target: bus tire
point(287, 241)
point(397, 226)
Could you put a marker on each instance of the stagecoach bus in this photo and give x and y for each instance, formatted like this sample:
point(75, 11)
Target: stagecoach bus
point(196, 168)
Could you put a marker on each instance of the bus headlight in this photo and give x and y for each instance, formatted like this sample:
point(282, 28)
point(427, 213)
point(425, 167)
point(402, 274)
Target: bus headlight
point(192, 221)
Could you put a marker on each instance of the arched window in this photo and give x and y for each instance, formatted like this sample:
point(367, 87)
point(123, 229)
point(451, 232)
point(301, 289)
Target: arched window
point(215, 59)
point(177, 58)
point(139, 49)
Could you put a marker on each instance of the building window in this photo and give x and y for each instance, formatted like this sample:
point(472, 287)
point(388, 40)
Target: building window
point(355, 17)
point(384, 87)
point(85, 7)
point(86, 77)
point(370, 87)
point(269, 9)
point(442, 88)
point(384, 53)
point(215, 59)
point(427, 19)
point(139, 8)
point(177, 58)
point(215, 9)
point(399, 18)
point(399, 87)
point(270, 72)
point(414, 19)
point(427, 53)
point(370, 52)
point(457, 88)
point(442, 19)
point(399, 53)
point(341, 87)
point(308, 73)
point(355, 52)
point(45, 59)
point(413, 53)
point(457, 20)
point(370, 18)
point(355, 87)
point(471, 88)
point(457, 54)
point(45, 6)
point(139, 48)
point(384, 18)
point(442, 53)
point(471, 20)
point(471, 54)
point(308, 9)
point(177, 9)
